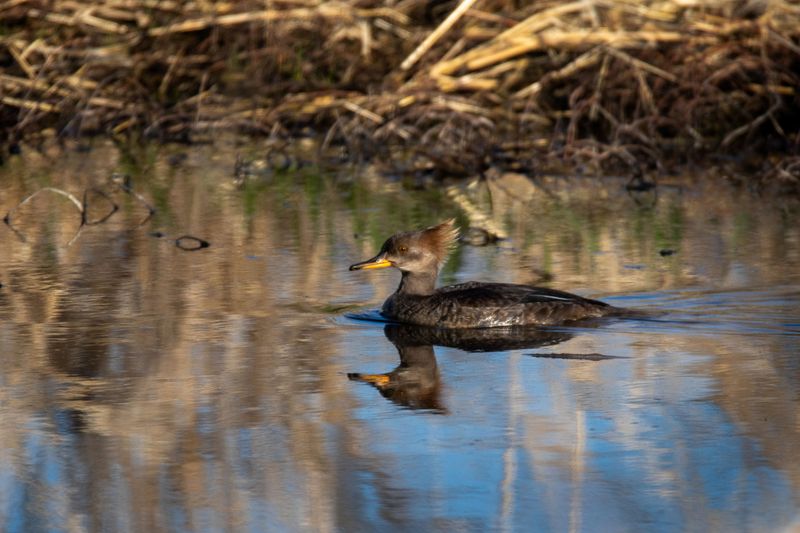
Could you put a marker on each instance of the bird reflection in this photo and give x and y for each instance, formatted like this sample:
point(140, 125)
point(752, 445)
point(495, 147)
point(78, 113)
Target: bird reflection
point(415, 383)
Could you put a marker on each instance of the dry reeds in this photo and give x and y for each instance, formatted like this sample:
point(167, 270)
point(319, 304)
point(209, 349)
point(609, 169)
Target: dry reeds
point(454, 87)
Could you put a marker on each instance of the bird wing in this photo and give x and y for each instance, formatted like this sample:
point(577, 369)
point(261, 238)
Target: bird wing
point(478, 294)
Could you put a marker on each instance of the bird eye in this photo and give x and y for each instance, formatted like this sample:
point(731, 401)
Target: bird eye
point(402, 249)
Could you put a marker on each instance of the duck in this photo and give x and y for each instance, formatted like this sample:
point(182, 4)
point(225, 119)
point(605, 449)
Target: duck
point(420, 255)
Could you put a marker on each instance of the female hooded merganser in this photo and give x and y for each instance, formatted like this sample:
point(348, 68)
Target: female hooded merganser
point(420, 254)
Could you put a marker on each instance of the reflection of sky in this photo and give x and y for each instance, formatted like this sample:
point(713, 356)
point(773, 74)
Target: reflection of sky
point(678, 436)
point(653, 456)
point(526, 443)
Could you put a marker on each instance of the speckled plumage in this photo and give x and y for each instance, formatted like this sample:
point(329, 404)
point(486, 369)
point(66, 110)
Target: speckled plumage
point(484, 305)
point(420, 254)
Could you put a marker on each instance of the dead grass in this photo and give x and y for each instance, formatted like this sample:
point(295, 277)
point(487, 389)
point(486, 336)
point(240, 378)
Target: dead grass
point(455, 87)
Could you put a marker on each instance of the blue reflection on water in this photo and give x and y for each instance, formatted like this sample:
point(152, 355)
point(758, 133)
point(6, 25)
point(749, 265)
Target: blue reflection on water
point(653, 455)
point(214, 391)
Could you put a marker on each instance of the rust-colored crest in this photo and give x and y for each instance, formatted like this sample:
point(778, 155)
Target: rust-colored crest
point(441, 239)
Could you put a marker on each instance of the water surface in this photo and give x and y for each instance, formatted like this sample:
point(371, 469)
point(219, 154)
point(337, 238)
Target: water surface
point(148, 388)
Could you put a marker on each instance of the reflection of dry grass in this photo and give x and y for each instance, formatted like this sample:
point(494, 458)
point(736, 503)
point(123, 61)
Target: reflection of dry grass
point(752, 384)
point(199, 383)
point(154, 365)
point(594, 235)
point(645, 412)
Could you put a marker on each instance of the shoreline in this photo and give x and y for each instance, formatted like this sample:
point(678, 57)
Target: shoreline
point(602, 87)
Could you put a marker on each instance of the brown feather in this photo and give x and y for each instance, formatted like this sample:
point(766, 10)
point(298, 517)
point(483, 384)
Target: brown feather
point(441, 239)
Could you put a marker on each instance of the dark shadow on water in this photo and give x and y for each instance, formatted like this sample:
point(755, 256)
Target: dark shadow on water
point(478, 339)
point(467, 339)
point(576, 356)
point(415, 383)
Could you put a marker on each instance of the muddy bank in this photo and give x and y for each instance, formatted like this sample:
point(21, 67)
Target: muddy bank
point(445, 88)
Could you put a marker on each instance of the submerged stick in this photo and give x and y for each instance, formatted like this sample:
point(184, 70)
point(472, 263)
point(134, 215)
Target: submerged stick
point(48, 189)
point(191, 243)
point(123, 181)
point(188, 243)
point(9, 220)
point(85, 210)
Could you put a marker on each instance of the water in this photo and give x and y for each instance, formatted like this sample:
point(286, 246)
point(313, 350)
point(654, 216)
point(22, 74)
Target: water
point(148, 388)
